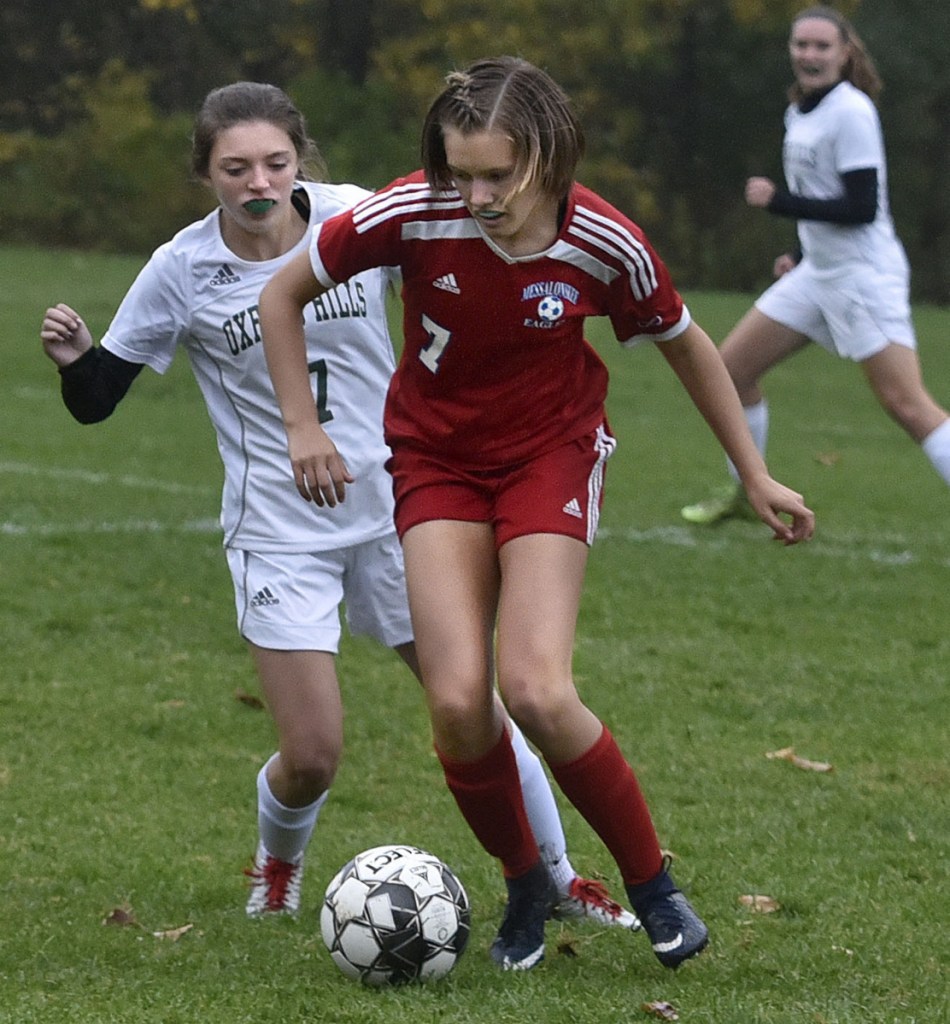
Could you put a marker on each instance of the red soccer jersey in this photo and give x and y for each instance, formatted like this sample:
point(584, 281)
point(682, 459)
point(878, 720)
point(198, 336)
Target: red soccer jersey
point(495, 368)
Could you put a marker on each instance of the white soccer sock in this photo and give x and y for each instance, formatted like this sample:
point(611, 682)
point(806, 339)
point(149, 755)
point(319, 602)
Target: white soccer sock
point(936, 446)
point(757, 416)
point(543, 816)
point(284, 831)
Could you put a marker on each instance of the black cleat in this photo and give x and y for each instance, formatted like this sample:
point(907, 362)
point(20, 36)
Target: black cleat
point(675, 929)
point(519, 945)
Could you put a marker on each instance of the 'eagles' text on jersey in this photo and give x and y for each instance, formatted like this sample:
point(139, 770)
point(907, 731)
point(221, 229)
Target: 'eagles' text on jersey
point(495, 368)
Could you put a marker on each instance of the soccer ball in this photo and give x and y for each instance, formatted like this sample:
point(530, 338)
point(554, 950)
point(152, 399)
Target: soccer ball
point(395, 914)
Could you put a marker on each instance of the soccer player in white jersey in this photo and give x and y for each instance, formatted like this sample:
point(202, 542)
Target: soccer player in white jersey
point(847, 289)
point(496, 422)
point(291, 565)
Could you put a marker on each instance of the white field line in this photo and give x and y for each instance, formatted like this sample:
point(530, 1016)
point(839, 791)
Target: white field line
point(87, 476)
point(854, 548)
point(128, 526)
point(33, 393)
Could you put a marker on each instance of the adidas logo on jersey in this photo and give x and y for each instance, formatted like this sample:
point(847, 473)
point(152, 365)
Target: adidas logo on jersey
point(225, 275)
point(573, 508)
point(263, 598)
point(447, 283)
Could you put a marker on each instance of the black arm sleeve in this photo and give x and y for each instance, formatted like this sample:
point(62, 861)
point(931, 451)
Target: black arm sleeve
point(858, 205)
point(95, 383)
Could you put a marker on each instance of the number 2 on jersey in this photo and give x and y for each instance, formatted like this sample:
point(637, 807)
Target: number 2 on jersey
point(319, 367)
point(439, 337)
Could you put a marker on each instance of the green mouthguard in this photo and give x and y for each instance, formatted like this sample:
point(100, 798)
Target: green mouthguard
point(259, 205)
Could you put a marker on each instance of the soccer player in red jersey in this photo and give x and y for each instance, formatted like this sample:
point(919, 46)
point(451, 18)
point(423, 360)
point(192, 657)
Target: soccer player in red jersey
point(495, 417)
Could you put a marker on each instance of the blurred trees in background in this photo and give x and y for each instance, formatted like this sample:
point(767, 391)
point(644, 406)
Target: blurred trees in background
point(681, 101)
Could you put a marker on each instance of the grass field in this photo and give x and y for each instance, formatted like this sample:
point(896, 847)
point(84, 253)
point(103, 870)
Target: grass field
point(127, 758)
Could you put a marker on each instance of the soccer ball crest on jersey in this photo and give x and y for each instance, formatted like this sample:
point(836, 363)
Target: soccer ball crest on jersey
point(395, 914)
point(551, 308)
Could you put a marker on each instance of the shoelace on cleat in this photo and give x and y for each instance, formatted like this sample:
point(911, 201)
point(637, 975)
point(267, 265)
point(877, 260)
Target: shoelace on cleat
point(277, 874)
point(588, 891)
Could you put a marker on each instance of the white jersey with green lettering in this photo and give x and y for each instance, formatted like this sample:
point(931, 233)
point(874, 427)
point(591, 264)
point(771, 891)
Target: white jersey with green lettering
point(196, 293)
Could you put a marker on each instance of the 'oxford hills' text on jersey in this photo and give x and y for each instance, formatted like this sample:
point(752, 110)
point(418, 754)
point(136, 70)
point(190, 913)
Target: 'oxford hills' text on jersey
point(198, 295)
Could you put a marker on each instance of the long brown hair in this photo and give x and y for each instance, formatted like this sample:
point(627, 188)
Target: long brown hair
point(241, 102)
point(860, 69)
point(512, 96)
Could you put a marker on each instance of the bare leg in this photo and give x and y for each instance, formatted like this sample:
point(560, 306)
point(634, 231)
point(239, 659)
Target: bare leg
point(303, 694)
point(753, 347)
point(301, 690)
point(895, 378)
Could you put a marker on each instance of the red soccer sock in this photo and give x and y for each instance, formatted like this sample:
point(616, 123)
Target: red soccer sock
point(603, 787)
point(488, 793)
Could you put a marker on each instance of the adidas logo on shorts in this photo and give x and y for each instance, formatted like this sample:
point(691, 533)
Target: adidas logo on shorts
point(573, 508)
point(263, 598)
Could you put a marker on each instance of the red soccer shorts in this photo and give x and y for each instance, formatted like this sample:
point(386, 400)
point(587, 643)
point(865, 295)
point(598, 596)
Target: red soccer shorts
point(559, 492)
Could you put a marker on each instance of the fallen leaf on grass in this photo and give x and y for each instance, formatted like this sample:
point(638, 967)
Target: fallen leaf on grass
point(828, 458)
point(249, 699)
point(568, 948)
point(760, 904)
point(174, 934)
point(658, 1008)
point(123, 917)
point(788, 754)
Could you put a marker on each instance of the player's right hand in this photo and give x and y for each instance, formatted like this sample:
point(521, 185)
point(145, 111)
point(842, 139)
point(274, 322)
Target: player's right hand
point(759, 191)
point(64, 335)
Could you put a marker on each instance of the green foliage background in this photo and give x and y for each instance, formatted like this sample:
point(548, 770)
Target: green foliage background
point(682, 100)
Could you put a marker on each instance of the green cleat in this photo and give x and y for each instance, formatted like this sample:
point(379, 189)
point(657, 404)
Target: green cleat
point(728, 502)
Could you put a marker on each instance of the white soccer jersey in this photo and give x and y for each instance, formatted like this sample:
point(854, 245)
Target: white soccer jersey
point(195, 293)
point(842, 133)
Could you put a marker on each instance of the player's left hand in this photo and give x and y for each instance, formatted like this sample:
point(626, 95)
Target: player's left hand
point(783, 264)
point(320, 473)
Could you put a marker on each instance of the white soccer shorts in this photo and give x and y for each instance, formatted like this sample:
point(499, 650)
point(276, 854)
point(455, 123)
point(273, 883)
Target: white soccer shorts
point(854, 312)
point(291, 601)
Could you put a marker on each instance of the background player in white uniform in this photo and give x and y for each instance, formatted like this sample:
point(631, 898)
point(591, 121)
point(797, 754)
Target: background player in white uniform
point(291, 564)
point(850, 290)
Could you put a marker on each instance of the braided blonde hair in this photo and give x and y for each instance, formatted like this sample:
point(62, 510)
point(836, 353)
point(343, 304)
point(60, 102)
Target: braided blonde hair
point(511, 96)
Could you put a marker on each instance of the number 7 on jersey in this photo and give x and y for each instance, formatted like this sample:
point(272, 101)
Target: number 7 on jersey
point(439, 337)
